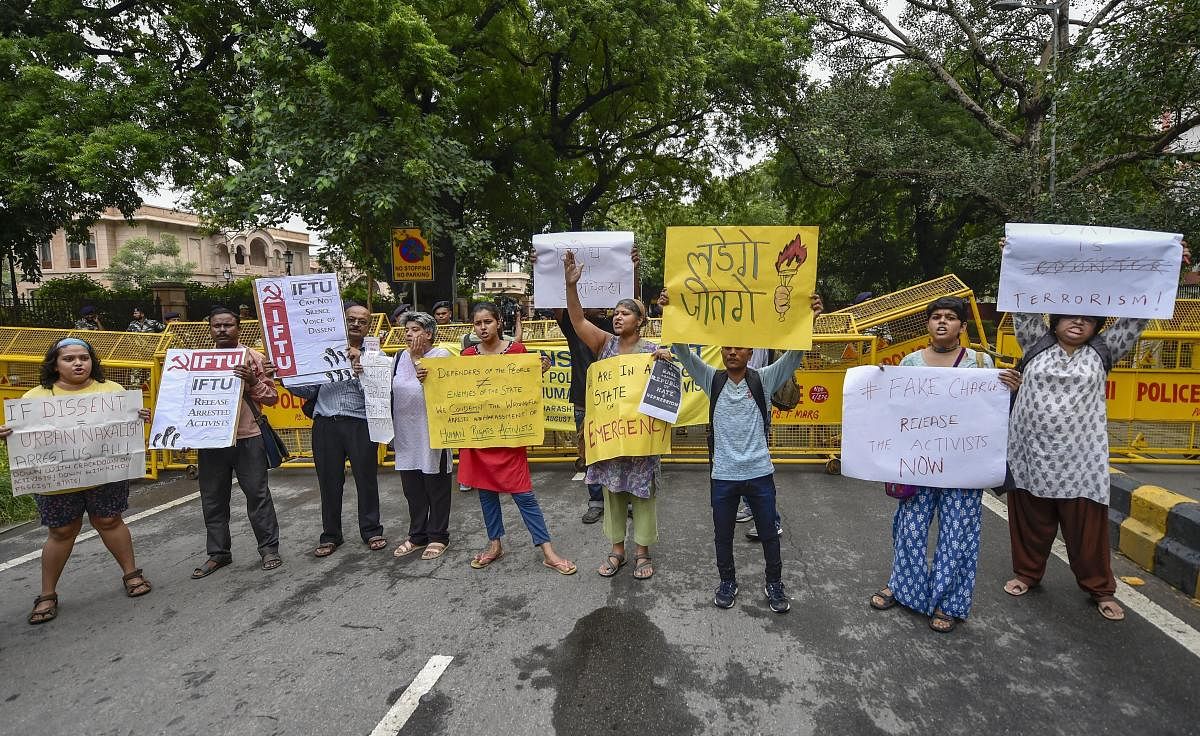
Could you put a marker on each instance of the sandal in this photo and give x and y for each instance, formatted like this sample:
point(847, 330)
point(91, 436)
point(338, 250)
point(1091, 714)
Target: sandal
point(608, 569)
point(376, 543)
point(1016, 588)
point(485, 558)
point(562, 567)
point(886, 599)
point(40, 617)
point(643, 564)
point(271, 560)
point(324, 549)
point(1110, 610)
point(942, 623)
point(434, 551)
point(406, 548)
point(208, 568)
point(132, 589)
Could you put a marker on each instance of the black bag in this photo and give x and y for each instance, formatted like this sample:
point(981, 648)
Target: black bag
point(277, 451)
point(309, 407)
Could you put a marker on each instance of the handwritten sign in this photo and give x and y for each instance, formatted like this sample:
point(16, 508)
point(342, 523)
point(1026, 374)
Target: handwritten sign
point(607, 268)
point(75, 442)
point(937, 427)
point(304, 328)
point(613, 426)
point(484, 401)
point(740, 286)
point(198, 400)
point(664, 392)
point(1083, 269)
point(376, 382)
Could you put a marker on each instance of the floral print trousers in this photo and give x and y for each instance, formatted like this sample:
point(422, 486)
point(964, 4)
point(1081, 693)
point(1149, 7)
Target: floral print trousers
point(949, 584)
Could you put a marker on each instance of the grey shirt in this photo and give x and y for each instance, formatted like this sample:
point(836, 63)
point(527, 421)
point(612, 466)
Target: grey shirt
point(341, 399)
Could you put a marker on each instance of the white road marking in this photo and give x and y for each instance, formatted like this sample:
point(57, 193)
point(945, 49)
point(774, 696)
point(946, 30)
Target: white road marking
point(577, 477)
point(1159, 617)
point(89, 534)
point(411, 697)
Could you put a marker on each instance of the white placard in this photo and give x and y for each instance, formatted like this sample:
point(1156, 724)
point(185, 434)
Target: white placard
point(198, 400)
point(376, 382)
point(938, 427)
point(64, 442)
point(304, 328)
point(1083, 269)
point(607, 260)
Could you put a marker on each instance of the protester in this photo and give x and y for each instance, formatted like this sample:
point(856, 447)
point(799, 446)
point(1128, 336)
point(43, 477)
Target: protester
point(944, 591)
point(247, 457)
point(72, 368)
point(624, 481)
point(442, 314)
point(171, 317)
point(89, 319)
point(339, 433)
point(398, 314)
point(141, 324)
point(244, 312)
point(740, 415)
point(496, 470)
point(425, 473)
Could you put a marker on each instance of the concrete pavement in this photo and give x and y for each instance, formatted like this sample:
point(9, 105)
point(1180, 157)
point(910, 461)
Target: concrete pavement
point(327, 646)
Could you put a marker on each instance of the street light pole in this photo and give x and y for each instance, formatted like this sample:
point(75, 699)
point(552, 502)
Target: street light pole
point(288, 256)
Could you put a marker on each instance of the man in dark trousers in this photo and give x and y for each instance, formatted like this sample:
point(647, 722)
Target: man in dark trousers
point(581, 358)
point(340, 433)
point(247, 457)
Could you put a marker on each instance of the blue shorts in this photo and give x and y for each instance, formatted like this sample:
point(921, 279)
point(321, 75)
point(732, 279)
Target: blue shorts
point(60, 509)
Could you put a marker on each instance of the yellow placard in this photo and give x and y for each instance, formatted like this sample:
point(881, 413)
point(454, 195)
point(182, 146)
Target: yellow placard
point(613, 426)
point(741, 286)
point(412, 259)
point(557, 408)
point(484, 400)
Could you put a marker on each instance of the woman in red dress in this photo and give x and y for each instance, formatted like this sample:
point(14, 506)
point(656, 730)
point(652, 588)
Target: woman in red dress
point(496, 470)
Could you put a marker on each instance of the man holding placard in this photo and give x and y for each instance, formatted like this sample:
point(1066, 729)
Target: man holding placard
point(247, 457)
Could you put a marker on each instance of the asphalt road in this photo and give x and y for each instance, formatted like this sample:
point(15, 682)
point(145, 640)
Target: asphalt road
point(327, 646)
point(1183, 479)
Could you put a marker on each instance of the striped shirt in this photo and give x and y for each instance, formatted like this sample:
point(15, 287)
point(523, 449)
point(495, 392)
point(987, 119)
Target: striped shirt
point(341, 399)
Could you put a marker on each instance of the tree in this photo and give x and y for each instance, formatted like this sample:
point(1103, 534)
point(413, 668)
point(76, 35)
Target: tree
point(140, 262)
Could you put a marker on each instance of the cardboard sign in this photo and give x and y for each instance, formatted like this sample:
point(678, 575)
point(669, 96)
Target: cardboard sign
point(75, 442)
point(936, 427)
point(484, 400)
point(613, 426)
point(1083, 269)
point(198, 399)
point(740, 286)
point(376, 382)
point(607, 263)
point(664, 392)
point(304, 328)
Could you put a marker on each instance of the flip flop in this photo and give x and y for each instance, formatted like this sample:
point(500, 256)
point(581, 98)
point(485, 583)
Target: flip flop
point(1016, 588)
point(608, 569)
point(324, 549)
point(889, 600)
point(483, 559)
point(208, 568)
point(639, 570)
point(434, 551)
point(271, 560)
point(406, 548)
point(1110, 610)
point(563, 567)
point(947, 622)
point(376, 543)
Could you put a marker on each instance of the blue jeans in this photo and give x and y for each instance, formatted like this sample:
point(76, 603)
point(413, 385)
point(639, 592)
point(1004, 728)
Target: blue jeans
point(531, 514)
point(595, 490)
point(760, 494)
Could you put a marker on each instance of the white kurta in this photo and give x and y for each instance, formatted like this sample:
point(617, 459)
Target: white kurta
point(408, 415)
point(1058, 431)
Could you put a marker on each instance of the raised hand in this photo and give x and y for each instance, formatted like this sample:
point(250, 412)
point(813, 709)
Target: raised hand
point(572, 270)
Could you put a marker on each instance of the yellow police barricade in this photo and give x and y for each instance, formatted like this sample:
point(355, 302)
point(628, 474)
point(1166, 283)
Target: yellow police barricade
point(1153, 393)
point(129, 358)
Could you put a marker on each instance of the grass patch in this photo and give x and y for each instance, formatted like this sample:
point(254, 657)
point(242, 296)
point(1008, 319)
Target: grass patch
point(12, 510)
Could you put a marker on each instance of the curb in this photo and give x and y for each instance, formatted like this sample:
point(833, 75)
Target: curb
point(1156, 528)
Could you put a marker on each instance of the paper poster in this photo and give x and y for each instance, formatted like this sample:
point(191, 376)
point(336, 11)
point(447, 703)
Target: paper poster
point(607, 263)
point(304, 328)
point(67, 442)
point(1083, 269)
point(198, 399)
point(557, 409)
point(613, 426)
point(740, 286)
point(663, 393)
point(937, 427)
point(376, 382)
point(484, 400)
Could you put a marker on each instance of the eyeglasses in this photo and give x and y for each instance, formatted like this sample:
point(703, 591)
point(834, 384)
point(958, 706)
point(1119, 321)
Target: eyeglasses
point(357, 321)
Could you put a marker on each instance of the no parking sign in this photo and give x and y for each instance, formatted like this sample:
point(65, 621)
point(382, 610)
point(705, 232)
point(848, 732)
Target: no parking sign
point(412, 259)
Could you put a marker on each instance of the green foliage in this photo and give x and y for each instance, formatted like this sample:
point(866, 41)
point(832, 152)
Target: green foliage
point(12, 509)
point(141, 262)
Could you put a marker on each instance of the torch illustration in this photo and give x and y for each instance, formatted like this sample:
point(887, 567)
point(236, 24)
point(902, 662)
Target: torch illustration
point(788, 264)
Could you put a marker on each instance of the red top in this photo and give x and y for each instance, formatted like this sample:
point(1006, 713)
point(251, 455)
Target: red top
point(500, 469)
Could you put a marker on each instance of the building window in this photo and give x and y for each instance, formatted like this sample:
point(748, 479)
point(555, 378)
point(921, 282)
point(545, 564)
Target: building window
point(73, 254)
point(45, 257)
point(89, 252)
point(239, 256)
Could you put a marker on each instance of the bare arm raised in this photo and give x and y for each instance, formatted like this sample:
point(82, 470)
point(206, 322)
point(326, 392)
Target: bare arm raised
point(589, 334)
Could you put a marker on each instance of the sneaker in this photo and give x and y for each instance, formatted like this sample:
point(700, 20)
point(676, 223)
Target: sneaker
point(752, 535)
point(593, 514)
point(777, 598)
point(725, 594)
point(744, 513)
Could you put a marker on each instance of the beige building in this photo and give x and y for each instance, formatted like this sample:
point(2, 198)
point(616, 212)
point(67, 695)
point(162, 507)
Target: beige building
point(217, 257)
point(512, 283)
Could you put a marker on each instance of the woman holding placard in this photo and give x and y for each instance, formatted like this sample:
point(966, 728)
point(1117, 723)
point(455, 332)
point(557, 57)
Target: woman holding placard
point(71, 368)
point(943, 592)
point(496, 470)
point(630, 481)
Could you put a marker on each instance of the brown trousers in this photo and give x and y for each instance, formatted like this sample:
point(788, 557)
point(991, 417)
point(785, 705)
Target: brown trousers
point(1032, 525)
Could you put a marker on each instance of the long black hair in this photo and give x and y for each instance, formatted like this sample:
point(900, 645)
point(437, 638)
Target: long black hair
point(49, 370)
point(487, 307)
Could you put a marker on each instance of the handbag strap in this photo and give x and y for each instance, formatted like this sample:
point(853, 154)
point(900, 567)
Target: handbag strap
point(961, 353)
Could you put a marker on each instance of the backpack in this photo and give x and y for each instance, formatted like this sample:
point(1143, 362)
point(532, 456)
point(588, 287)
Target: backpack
point(787, 396)
point(756, 390)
